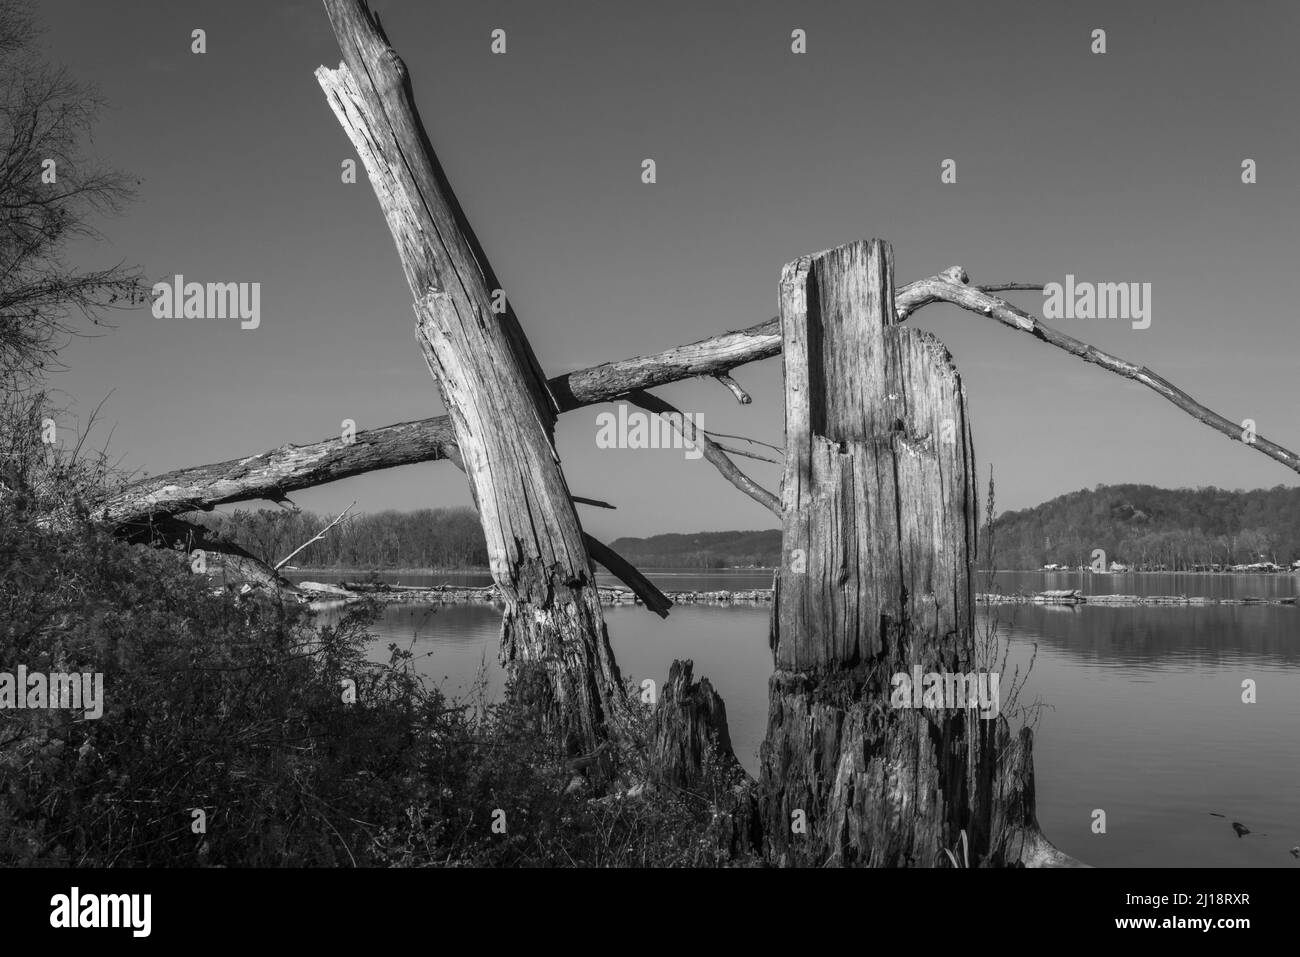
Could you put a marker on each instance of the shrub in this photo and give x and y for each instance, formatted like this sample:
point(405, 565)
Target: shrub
point(235, 706)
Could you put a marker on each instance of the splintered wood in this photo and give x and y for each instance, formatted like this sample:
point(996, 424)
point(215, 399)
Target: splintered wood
point(553, 640)
point(875, 580)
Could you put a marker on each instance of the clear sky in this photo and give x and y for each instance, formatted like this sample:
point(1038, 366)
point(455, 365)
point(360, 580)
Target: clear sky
point(1122, 167)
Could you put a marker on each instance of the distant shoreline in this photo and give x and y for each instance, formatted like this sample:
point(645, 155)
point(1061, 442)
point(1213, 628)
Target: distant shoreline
point(351, 570)
point(1121, 574)
point(322, 594)
point(484, 570)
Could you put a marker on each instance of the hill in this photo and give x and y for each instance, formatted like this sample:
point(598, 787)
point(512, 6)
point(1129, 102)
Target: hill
point(1145, 526)
point(703, 549)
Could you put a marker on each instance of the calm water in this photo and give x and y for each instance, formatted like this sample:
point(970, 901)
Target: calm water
point(1143, 715)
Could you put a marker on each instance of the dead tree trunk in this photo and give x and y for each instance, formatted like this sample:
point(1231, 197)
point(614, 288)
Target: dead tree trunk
point(878, 539)
point(553, 637)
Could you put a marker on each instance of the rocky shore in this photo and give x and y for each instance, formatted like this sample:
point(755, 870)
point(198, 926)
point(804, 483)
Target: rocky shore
point(318, 592)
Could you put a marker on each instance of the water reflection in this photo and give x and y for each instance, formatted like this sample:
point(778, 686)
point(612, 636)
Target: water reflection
point(1145, 718)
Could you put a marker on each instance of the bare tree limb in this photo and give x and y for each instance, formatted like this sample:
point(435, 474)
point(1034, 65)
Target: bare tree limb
point(618, 566)
point(593, 502)
point(315, 538)
point(748, 455)
point(654, 600)
point(708, 447)
point(1007, 286)
point(745, 438)
point(288, 468)
point(733, 387)
point(273, 473)
point(953, 288)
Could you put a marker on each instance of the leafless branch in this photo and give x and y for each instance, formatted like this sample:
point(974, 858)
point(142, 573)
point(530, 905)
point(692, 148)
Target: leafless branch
point(733, 387)
point(315, 538)
point(953, 288)
point(708, 447)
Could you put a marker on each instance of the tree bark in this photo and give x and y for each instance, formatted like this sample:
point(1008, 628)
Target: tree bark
point(274, 474)
point(690, 750)
point(554, 642)
point(878, 542)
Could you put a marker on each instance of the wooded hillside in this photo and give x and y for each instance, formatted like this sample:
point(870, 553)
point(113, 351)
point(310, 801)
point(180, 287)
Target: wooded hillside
point(1144, 525)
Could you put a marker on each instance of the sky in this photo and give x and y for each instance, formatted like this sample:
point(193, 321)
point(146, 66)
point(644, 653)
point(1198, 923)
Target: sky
point(1115, 167)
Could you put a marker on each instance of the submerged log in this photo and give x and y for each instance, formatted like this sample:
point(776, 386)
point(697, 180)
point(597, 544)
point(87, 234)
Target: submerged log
point(875, 581)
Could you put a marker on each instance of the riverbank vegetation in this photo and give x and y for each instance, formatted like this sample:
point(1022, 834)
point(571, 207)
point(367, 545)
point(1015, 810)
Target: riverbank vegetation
point(238, 731)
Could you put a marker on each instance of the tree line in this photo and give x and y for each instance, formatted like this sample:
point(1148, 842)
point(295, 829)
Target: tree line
point(703, 549)
point(1153, 528)
point(453, 538)
point(426, 538)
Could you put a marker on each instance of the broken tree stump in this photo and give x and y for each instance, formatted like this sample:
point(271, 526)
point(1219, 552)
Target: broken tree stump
point(690, 722)
point(690, 750)
point(879, 526)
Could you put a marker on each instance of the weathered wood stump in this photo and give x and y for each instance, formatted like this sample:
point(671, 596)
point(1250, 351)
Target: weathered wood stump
point(1019, 840)
point(879, 534)
point(690, 727)
point(690, 749)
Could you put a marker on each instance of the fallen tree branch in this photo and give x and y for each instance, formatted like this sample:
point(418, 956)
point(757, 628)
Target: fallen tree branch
point(742, 452)
point(593, 502)
point(710, 449)
point(272, 474)
point(1007, 286)
point(614, 563)
point(315, 538)
point(953, 287)
point(733, 387)
point(618, 566)
point(780, 449)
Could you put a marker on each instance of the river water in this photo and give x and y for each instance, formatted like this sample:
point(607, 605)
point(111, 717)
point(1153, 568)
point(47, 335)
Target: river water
point(1142, 714)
